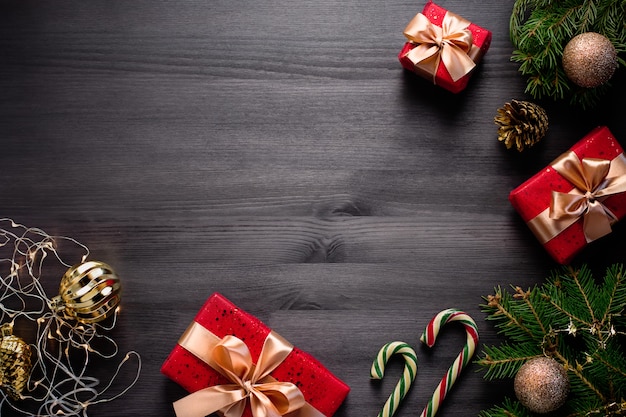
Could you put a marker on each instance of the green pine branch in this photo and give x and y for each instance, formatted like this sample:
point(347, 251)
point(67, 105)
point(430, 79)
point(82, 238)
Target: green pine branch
point(539, 31)
point(509, 408)
point(573, 319)
point(504, 361)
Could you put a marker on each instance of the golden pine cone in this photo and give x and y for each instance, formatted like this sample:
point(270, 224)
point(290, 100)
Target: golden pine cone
point(15, 364)
point(521, 123)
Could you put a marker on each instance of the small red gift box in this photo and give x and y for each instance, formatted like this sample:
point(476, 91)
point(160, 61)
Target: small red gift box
point(577, 198)
point(447, 58)
point(220, 322)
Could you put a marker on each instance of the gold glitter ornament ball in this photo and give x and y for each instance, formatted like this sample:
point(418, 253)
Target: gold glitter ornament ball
point(541, 385)
point(15, 364)
point(589, 59)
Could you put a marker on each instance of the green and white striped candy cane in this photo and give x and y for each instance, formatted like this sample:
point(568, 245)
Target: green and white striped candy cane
point(408, 375)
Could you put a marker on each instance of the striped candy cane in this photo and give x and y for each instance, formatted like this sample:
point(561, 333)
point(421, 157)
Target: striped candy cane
point(404, 384)
point(429, 336)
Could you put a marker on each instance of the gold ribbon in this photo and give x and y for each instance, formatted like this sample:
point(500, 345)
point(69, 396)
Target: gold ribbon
point(231, 357)
point(450, 43)
point(594, 180)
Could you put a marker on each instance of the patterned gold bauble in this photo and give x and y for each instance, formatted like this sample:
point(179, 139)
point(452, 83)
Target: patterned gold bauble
point(89, 292)
point(541, 385)
point(589, 59)
point(15, 365)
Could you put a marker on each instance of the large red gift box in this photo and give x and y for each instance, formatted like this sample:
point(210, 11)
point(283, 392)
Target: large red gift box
point(481, 40)
point(534, 199)
point(322, 390)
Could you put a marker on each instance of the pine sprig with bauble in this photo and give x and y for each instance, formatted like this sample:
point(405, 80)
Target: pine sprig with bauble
point(540, 30)
point(570, 330)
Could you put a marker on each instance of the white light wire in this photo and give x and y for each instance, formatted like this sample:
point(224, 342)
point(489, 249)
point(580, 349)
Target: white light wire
point(59, 384)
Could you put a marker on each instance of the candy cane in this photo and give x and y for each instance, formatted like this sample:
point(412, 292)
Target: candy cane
point(408, 375)
point(429, 336)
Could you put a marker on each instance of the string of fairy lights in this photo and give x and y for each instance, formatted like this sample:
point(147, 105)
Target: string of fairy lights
point(50, 375)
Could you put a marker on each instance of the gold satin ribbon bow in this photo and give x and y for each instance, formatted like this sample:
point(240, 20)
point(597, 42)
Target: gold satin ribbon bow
point(593, 180)
point(230, 356)
point(449, 43)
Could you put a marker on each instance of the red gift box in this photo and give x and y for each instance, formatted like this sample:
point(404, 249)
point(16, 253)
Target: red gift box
point(220, 319)
point(477, 44)
point(574, 200)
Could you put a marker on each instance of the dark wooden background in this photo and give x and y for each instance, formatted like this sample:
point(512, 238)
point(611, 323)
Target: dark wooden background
point(276, 152)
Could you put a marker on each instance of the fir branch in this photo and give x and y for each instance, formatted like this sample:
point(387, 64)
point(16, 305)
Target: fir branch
point(504, 361)
point(565, 23)
point(586, 15)
point(612, 409)
point(508, 315)
point(616, 293)
point(573, 319)
point(517, 19)
point(584, 288)
point(577, 292)
point(539, 31)
point(509, 408)
point(577, 371)
point(527, 296)
point(610, 366)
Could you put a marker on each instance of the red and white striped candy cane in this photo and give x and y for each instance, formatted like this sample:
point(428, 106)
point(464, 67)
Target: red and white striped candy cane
point(429, 336)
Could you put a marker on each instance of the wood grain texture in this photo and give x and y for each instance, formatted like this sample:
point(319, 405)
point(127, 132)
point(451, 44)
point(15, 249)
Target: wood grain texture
point(277, 153)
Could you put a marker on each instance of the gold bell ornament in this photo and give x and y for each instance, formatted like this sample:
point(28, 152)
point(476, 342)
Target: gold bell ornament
point(89, 292)
point(15, 365)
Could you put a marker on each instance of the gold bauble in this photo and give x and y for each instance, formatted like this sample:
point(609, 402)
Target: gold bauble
point(15, 365)
point(541, 385)
point(589, 59)
point(89, 292)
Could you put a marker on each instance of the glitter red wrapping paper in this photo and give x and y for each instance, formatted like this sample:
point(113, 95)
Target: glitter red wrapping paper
point(535, 195)
point(481, 39)
point(320, 388)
